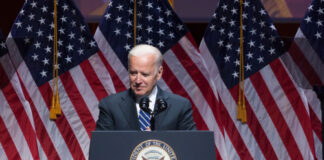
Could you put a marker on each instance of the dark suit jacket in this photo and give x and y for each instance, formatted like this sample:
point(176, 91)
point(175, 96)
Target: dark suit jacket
point(118, 112)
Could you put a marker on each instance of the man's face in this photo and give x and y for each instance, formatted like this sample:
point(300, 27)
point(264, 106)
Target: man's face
point(143, 74)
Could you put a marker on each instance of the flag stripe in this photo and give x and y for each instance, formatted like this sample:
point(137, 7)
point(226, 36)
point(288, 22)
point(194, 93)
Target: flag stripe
point(177, 88)
point(93, 80)
point(171, 80)
point(234, 134)
point(304, 65)
point(41, 131)
point(82, 85)
point(119, 85)
point(252, 120)
point(22, 118)
point(310, 54)
point(198, 78)
point(272, 109)
point(78, 102)
point(273, 139)
point(43, 111)
point(74, 120)
point(14, 129)
point(295, 100)
point(282, 100)
point(102, 73)
point(9, 147)
point(62, 124)
point(316, 124)
point(254, 123)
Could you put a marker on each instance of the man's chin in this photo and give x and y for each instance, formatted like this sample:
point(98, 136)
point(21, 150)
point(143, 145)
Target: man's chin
point(139, 93)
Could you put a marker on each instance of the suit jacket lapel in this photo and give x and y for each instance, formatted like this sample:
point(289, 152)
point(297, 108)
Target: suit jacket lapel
point(128, 107)
point(160, 116)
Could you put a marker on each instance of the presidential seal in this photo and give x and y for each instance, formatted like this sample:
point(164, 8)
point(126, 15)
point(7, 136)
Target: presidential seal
point(153, 150)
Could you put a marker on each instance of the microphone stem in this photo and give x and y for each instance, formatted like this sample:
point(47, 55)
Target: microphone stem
point(152, 123)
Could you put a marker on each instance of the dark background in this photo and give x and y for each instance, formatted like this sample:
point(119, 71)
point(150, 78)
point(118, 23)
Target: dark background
point(10, 9)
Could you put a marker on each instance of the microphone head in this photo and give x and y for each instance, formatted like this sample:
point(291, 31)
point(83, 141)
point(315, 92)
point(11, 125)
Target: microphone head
point(144, 104)
point(162, 105)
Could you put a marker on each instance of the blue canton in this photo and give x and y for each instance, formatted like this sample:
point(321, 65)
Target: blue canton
point(3, 46)
point(156, 24)
point(261, 42)
point(313, 26)
point(33, 34)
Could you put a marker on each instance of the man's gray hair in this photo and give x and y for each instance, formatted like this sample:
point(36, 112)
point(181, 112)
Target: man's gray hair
point(145, 49)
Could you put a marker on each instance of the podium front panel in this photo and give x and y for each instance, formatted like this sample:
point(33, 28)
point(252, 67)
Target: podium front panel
point(119, 145)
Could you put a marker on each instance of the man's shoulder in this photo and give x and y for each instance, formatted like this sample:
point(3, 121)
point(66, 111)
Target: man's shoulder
point(114, 97)
point(174, 96)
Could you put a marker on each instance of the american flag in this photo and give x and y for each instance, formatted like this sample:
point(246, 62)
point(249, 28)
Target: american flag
point(185, 72)
point(81, 84)
point(16, 126)
point(306, 63)
point(278, 124)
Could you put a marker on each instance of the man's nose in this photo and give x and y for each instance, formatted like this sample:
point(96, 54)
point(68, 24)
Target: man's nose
point(138, 78)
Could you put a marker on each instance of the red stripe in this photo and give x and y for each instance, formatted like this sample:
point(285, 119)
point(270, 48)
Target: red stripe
point(78, 102)
point(22, 118)
point(7, 142)
point(200, 81)
point(234, 134)
point(93, 80)
point(256, 128)
point(63, 125)
point(316, 124)
point(294, 99)
point(277, 118)
point(175, 86)
point(119, 86)
point(304, 66)
point(42, 134)
point(192, 40)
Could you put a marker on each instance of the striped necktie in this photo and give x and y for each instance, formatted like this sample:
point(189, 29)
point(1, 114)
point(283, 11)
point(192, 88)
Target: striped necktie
point(144, 119)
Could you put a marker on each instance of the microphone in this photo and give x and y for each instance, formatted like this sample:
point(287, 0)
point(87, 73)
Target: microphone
point(161, 106)
point(144, 105)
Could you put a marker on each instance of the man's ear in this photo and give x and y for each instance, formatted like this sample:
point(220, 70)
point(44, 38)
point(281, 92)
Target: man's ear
point(160, 71)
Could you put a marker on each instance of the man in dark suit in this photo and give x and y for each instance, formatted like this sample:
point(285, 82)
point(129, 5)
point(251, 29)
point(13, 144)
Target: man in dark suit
point(121, 111)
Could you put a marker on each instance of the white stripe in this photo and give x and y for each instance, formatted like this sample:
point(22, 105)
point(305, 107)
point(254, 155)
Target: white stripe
point(85, 91)
point(14, 129)
point(314, 102)
point(74, 120)
point(231, 107)
point(14, 80)
point(287, 111)
point(196, 58)
point(197, 97)
point(295, 71)
point(265, 121)
point(102, 73)
point(3, 155)
point(229, 103)
point(40, 105)
point(232, 154)
point(310, 54)
point(41, 152)
point(111, 57)
point(143, 120)
point(318, 147)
